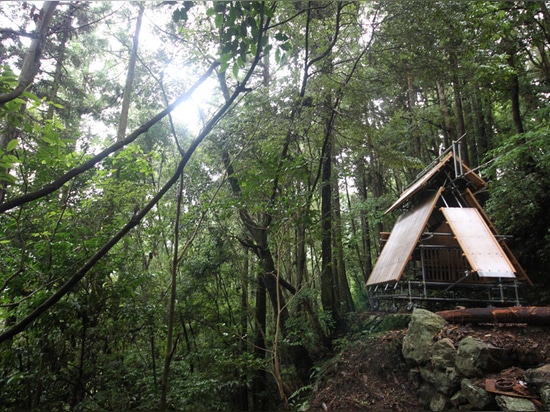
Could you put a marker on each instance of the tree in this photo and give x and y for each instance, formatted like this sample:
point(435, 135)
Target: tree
point(148, 264)
point(31, 62)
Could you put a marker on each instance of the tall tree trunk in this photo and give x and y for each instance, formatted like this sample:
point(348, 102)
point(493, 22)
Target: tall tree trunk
point(415, 134)
point(514, 89)
point(126, 97)
point(545, 60)
point(481, 143)
point(460, 124)
point(447, 123)
point(301, 255)
point(343, 292)
point(365, 253)
point(242, 395)
point(329, 284)
point(31, 65)
point(170, 345)
point(58, 71)
point(306, 305)
point(259, 382)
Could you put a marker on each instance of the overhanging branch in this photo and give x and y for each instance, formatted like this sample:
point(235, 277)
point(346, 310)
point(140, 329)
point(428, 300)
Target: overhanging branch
point(56, 184)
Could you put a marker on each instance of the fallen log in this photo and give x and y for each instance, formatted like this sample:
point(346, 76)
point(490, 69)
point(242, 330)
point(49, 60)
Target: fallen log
point(532, 315)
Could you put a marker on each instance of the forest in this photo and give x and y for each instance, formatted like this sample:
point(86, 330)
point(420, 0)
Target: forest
point(191, 193)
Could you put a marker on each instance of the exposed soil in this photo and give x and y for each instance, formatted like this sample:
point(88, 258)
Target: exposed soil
point(371, 374)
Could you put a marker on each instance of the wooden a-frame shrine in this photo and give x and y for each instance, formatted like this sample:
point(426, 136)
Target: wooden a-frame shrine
point(444, 248)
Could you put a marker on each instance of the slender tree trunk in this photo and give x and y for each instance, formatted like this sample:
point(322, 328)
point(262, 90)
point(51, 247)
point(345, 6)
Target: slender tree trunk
point(301, 256)
point(411, 97)
point(545, 60)
point(58, 72)
point(515, 91)
point(306, 305)
point(187, 344)
point(365, 253)
point(153, 357)
point(344, 298)
point(481, 143)
point(447, 124)
point(126, 97)
point(460, 124)
point(31, 65)
point(170, 345)
point(328, 278)
point(243, 390)
point(259, 382)
point(35, 404)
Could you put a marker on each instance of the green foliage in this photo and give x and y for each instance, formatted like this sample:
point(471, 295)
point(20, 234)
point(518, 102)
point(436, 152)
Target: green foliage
point(519, 199)
point(386, 114)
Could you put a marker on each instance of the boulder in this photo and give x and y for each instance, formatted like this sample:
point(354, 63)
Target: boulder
point(428, 396)
point(438, 402)
point(539, 380)
point(544, 395)
point(415, 378)
point(458, 399)
point(443, 354)
point(417, 344)
point(447, 380)
point(471, 357)
point(477, 397)
point(509, 403)
point(440, 370)
point(538, 377)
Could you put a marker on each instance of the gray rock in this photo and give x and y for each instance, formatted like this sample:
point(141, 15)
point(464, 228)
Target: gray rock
point(446, 380)
point(417, 344)
point(538, 377)
point(443, 354)
point(539, 380)
point(458, 399)
point(471, 357)
point(544, 395)
point(425, 393)
point(477, 397)
point(509, 403)
point(438, 402)
point(440, 370)
point(415, 378)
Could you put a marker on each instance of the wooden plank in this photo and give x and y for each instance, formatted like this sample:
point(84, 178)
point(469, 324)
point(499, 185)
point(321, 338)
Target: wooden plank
point(478, 243)
point(401, 243)
point(520, 272)
point(419, 183)
point(474, 180)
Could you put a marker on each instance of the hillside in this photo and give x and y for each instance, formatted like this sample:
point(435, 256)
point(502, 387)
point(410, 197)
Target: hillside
point(371, 374)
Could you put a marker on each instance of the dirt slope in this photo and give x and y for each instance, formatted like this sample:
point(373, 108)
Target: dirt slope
point(371, 374)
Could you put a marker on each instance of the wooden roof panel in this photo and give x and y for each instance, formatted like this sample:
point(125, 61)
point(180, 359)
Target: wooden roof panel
point(401, 243)
point(419, 183)
point(480, 247)
point(473, 179)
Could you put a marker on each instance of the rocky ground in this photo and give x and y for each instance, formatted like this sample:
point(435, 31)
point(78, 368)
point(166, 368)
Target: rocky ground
point(371, 373)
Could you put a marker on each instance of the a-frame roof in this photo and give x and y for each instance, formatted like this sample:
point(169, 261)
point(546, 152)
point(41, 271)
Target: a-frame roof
point(470, 226)
point(480, 247)
point(403, 239)
point(445, 166)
